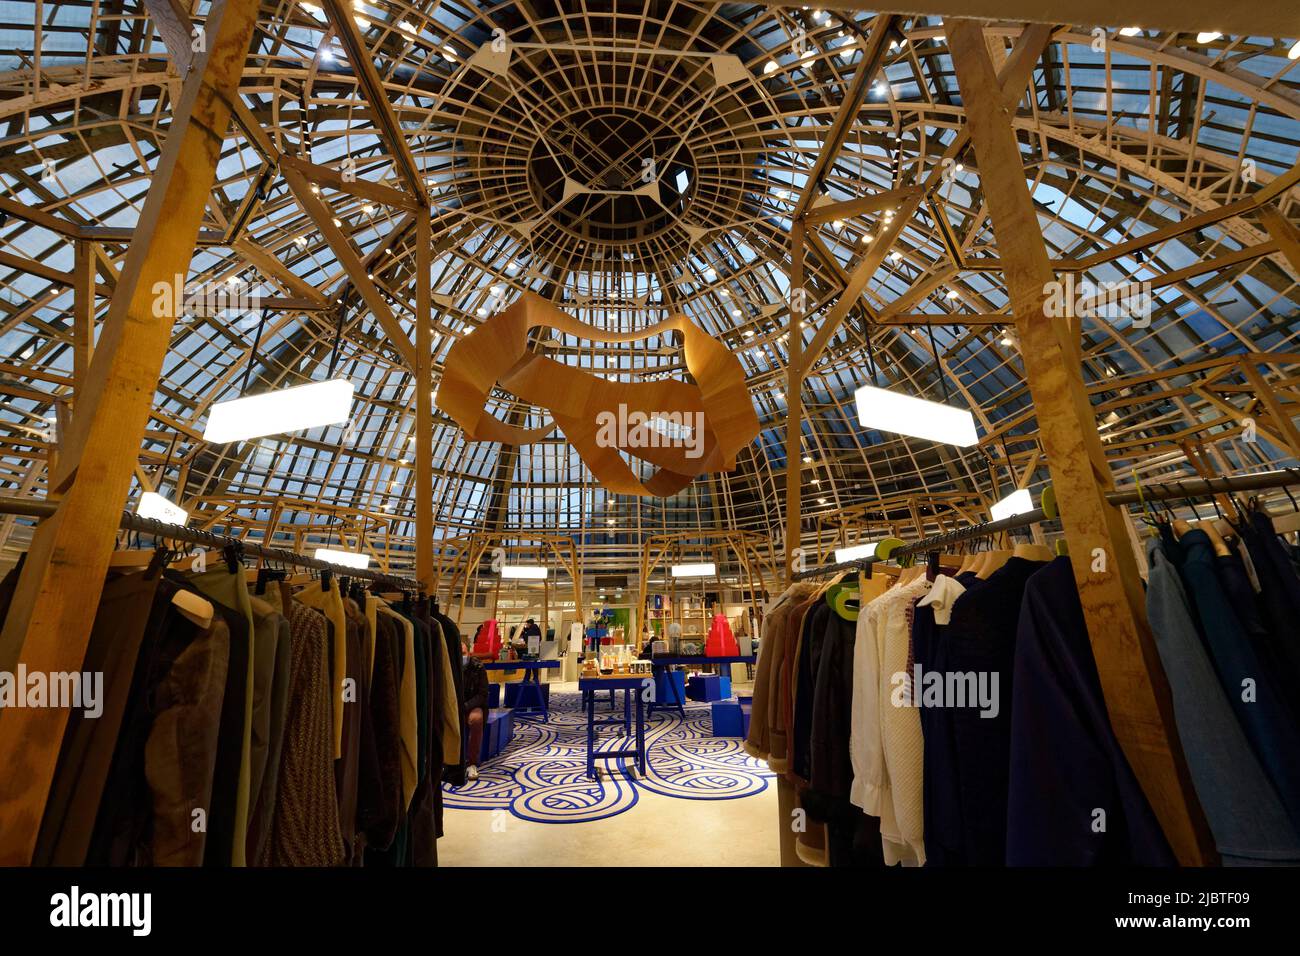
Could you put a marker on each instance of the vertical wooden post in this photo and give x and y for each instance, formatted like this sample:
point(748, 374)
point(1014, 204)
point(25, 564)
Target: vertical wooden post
point(1133, 682)
point(423, 404)
point(496, 598)
point(576, 573)
point(83, 314)
point(58, 591)
point(794, 401)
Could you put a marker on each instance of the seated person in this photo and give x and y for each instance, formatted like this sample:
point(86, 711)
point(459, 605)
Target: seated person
point(476, 705)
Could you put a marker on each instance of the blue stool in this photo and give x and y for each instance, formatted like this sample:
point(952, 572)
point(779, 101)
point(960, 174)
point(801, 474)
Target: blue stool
point(727, 719)
point(706, 687)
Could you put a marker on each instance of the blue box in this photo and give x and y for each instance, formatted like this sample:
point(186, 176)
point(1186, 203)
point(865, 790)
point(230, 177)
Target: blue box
point(494, 695)
point(727, 719)
point(705, 687)
point(497, 733)
point(664, 689)
point(491, 724)
point(512, 694)
point(507, 728)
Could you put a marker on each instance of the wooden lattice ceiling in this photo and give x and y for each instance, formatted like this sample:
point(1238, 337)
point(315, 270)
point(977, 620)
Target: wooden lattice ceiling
point(1123, 141)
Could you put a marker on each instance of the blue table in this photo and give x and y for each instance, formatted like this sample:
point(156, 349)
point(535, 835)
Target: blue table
point(661, 662)
point(632, 685)
point(531, 702)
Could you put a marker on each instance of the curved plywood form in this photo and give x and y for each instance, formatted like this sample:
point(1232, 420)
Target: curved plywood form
point(717, 411)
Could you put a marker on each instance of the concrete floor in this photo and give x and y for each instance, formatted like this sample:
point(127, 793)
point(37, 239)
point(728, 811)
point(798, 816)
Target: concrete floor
point(658, 831)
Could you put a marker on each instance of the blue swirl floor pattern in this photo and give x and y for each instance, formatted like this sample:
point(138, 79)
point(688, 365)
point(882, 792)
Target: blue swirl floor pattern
point(542, 775)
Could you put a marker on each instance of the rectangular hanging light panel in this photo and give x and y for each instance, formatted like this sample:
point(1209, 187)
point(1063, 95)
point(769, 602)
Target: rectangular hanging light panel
point(867, 550)
point(349, 559)
point(889, 411)
point(1016, 503)
point(284, 410)
point(704, 570)
point(521, 572)
point(154, 505)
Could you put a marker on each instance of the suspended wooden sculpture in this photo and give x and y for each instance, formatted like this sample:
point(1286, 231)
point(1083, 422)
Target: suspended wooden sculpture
point(683, 429)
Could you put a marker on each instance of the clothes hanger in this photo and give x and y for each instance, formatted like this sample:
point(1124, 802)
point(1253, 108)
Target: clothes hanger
point(997, 557)
point(1030, 551)
point(1149, 518)
point(189, 604)
point(845, 602)
point(1182, 526)
point(1220, 546)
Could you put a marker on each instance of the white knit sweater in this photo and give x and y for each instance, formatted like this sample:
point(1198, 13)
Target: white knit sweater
point(885, 742)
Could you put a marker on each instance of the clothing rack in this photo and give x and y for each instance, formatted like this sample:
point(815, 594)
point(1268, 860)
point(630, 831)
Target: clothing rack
point(1164, 491)
point(36, 508)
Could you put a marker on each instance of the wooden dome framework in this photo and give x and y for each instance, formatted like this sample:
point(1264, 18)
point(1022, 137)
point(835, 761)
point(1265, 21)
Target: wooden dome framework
point(366, 164)
point(99, 111)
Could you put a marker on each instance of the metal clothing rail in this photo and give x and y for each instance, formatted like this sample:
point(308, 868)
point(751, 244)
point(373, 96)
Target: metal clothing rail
point(36, 508)
point(1163, 491)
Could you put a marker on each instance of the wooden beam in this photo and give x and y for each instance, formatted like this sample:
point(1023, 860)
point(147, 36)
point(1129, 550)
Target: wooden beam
point(34, 268)
point(350, 261)
point(424, 403)
point(872, 55)
point(363, 188)
point(53, 608)
point(1157, 236)
point(1012, 80)
point(848, 208)
point(1278, 412)
point(972, 321)
point(794, 402)
point(38, 217)
point(1274, 18)
point(172, 21)
point(862, 272)
point(1013, 77)
point(1283, 232)
point(83, 312)
point(1133, 682)
point(270, 266)
point(372, 88)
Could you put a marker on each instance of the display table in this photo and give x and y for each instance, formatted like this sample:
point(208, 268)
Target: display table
point(531, 702)
point(660, 664)
point(631, 685)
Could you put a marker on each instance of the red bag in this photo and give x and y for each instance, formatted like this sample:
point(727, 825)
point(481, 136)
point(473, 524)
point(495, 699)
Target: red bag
point(487, 643)
point(721, 642)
